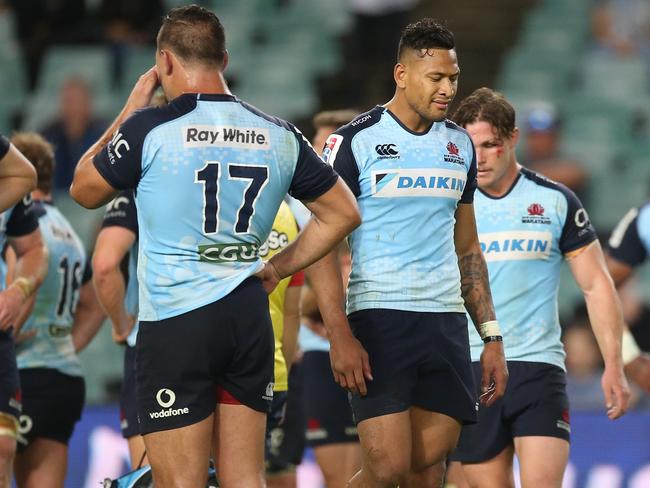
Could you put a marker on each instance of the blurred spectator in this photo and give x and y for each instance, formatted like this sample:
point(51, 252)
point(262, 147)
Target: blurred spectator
point(542, 148)
point(622, 27)
point(40, 23)
point(74, 131)
point(584, 368)
point(126, 22)
point(378, 26)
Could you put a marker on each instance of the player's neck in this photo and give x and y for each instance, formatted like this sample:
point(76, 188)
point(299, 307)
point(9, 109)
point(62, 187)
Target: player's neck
point(406, 115)
point(503, 185)
point(203, 82)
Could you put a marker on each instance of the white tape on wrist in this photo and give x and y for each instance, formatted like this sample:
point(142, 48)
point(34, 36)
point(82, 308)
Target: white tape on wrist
point(630, 348)
point(489, 329)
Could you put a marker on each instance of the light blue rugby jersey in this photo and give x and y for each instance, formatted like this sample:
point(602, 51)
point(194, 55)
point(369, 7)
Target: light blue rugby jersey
point(121, 212)
point(56, 300)
point(524, 236)
point(210, 172)
point(408, 186)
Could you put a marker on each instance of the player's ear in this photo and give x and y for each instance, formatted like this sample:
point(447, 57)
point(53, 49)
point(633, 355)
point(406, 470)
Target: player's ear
point(166, 63)
point(514, 138)
point(399, 73)
point(226, 58)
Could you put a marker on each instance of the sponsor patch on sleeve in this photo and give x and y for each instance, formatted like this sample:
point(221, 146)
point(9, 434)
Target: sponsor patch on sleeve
point(332, 148)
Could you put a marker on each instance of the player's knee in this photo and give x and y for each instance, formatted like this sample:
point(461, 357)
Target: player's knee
point(8, 433)
point(7, 450)
point(388, 468)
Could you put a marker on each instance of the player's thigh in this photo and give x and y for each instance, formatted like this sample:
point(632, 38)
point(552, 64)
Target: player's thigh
point(542, 461)
point(492, 473)
point(179, 457)
point(42, 465)
point(386, 445)
point(239, 445)
point(434, 436)
point(338, 462)
point(52, 405)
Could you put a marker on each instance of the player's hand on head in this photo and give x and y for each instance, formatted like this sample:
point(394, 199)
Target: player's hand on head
point(350, 363)
point(144, 89)
point(495, 373)
point(638, 370)
point(616, 390)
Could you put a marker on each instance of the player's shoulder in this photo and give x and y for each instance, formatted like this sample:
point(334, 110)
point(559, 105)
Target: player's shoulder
point(544, 183)
point(266, 118)
point(452, 126)
point(360, 123)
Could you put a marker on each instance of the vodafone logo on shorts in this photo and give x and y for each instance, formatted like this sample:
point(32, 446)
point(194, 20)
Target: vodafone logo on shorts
point(166, 398)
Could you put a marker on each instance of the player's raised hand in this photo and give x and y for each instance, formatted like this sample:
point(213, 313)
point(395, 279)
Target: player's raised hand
point(350, 364)
point(616, 390)
point(638, 370)
point(143, 90)
point(495, 373)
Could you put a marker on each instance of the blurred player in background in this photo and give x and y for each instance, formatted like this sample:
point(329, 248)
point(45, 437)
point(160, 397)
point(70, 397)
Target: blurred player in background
point(51, 379)
point(284, 307)
point(527, 226)
point(211, 172)
point(416, 265)
point(331, 431)
point(628, 249)
point(18, 228)
point(114, 276)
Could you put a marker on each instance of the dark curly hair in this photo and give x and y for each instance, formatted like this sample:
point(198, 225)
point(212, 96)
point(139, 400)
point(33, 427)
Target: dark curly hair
point(426, 33)
point(194, 34)
point(487, 105)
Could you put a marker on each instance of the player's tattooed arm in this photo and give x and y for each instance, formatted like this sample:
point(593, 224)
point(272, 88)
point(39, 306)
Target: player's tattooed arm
point(475, 287)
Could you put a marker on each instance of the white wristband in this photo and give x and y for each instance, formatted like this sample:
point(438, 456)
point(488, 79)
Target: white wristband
point(630, 348)
point(489, 329)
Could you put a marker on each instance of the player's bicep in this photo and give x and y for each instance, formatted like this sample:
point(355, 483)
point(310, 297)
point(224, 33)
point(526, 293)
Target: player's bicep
point(465, 233)
point(90, 188)
point(588, 265)
point(113, 243)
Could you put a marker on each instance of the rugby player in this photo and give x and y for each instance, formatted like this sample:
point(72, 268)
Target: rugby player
point(416, 266)
point(527, 226)
point(284, 307)
point(18, 227)
point(331, 431)
point(628, 249)
point(210, 172)
point(118, 295)
point(51, 379)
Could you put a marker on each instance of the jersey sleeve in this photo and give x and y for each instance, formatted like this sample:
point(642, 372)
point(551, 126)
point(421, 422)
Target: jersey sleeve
point(626, 243)
point(338, 153)
point(23, 219)
point(312, 177)
point(121, 212)
point(120, 161)
point(577, 230)
point(470, 186)
point(4, 146)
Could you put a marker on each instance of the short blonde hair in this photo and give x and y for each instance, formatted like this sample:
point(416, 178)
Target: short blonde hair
point(40, 153)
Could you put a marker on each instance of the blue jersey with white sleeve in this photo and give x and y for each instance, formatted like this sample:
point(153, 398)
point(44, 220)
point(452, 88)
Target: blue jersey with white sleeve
point(210, 172)
point(408, 186)
point(525, 234)
point(56, 300)
point(121, 212)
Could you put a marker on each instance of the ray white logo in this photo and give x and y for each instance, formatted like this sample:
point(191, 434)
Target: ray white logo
point(166, 398)
point(418, 183)
point(226, 136)
point(515, 245)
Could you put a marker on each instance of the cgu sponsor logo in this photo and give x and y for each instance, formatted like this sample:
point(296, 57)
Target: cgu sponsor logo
point(226, 136)
point(515, 245)
point(277, 240)
point(166, 398)
point(228, 253)
point(418, 183)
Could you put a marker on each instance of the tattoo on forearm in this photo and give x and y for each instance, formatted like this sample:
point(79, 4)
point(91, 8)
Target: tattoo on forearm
point(475, 288)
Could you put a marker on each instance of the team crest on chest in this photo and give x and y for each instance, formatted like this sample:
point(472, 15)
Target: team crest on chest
point(535, 215)
point(452, 155)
